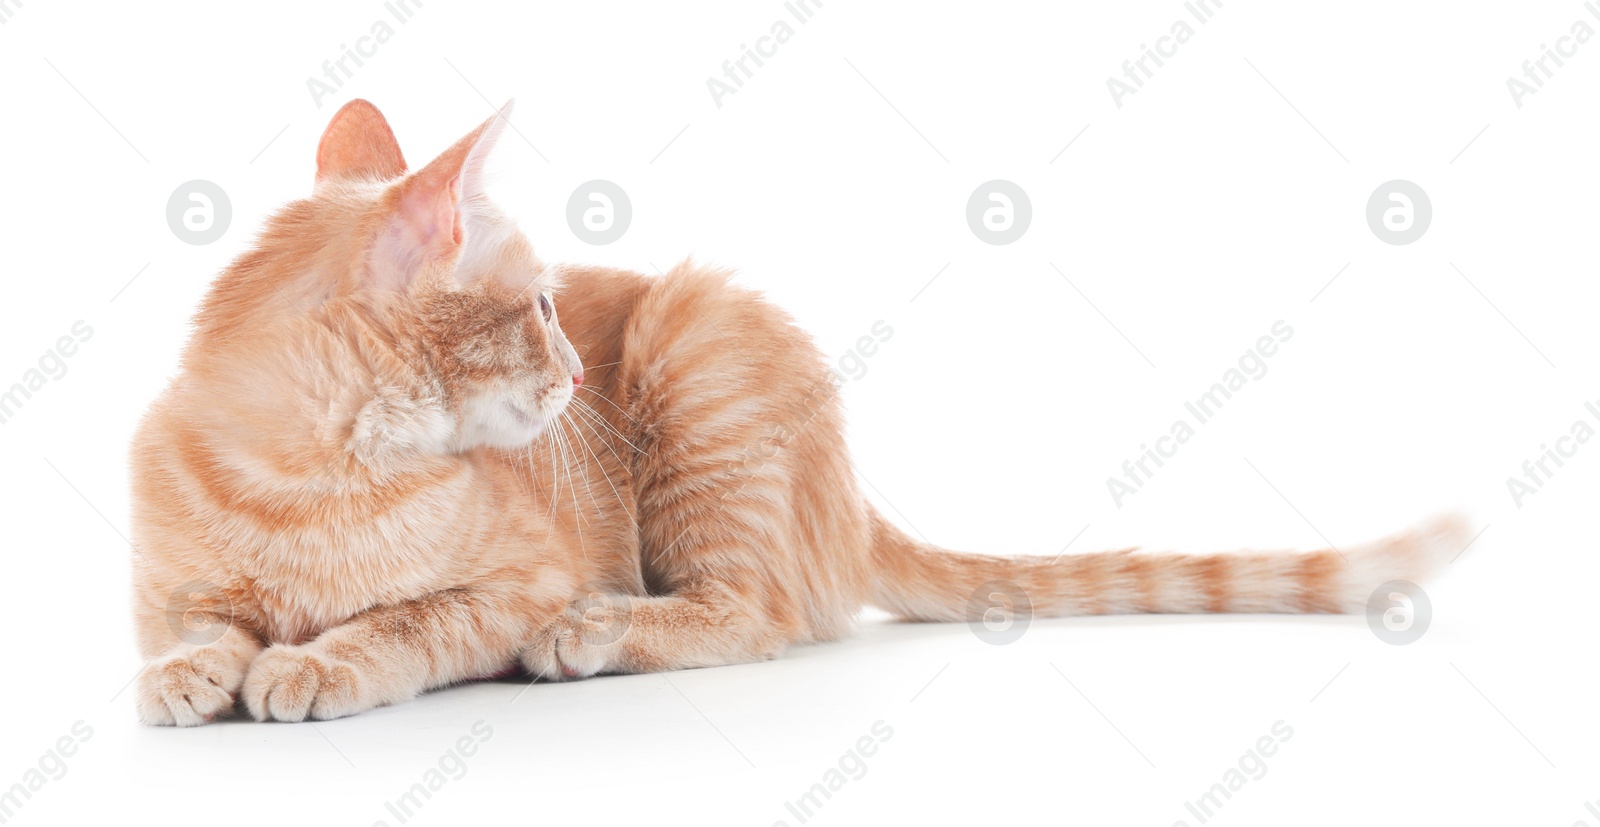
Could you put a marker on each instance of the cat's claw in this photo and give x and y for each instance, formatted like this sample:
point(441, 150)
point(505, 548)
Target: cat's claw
point(186, 689)
point(292, 683)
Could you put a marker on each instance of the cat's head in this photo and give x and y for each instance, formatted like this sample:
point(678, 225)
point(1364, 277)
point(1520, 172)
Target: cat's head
point(411, 283)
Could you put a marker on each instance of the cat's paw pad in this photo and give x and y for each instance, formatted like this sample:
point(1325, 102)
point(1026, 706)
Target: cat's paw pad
point(579, 644)
point(291, 683)
point(186, 689)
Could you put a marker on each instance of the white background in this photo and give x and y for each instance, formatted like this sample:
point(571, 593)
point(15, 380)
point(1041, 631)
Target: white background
point(1193, 217)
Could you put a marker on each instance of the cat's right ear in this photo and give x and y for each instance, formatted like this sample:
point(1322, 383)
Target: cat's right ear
point(358, 143)
point(430, 211)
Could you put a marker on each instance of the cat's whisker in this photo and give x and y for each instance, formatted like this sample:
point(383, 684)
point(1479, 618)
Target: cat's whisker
point(572, 463)
point(566, 467)
point(594, 416)
point(604, 441)
point(607, 443)
point(606, 474)
point(523, 470)
point(577, 437)
point(555, 467)
point(555, 486)
point(577, 512)
point(560, 451)
point(537, 475)
point(556, 455)
point(608, 401)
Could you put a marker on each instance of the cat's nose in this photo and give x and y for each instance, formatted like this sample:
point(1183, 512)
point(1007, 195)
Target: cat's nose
point(577, 379)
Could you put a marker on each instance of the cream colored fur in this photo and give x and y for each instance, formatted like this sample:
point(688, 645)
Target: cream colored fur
point(384, 467)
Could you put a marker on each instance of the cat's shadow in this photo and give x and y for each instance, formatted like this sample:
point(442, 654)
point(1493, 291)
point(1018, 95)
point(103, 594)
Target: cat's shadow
point(874, 634)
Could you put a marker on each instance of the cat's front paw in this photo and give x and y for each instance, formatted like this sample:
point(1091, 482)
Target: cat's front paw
point(289, 683)
point(187, 688)
point(582, 642)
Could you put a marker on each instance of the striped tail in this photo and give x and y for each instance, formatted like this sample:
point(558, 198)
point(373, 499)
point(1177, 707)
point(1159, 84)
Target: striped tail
point(917, 581)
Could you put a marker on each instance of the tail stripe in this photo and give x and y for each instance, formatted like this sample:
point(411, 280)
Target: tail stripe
point(1318, 577)
point(1214, 576)
point(918, 581)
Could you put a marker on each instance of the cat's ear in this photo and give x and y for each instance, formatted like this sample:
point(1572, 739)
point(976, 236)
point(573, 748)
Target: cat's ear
point(358, 143)
point(429, 211)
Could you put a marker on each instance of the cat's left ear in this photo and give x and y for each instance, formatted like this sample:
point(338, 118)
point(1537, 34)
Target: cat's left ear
point(358, 143)
point(429, 211)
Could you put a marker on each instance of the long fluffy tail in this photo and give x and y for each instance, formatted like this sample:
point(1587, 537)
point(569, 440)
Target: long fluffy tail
point(920, 582)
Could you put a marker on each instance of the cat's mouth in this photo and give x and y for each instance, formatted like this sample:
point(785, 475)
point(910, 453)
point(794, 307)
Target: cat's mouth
point(521, 421)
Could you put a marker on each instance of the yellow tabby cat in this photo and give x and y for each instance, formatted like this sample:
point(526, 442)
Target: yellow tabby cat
point(384, 468)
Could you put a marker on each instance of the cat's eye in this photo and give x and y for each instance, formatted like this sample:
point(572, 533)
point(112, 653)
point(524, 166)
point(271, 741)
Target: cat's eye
point(545, 307)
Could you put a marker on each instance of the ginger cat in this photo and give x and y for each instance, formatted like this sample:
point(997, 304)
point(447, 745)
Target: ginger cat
point(383, 469)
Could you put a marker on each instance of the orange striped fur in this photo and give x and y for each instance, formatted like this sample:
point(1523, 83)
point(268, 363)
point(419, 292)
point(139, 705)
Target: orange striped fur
point(376, 467)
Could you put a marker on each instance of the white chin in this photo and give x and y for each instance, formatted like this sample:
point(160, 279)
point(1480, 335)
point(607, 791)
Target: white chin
point(495, 423)
point(510, 437)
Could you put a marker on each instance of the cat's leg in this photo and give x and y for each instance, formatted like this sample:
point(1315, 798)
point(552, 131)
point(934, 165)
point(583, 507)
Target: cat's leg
point(195, 655)
point(752, 536)
point(729, 590)
point(706, 624)
point(391, 653)
point(732, 589)
point(190, 684)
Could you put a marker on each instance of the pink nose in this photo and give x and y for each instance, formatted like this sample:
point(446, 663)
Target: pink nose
point(577, 379)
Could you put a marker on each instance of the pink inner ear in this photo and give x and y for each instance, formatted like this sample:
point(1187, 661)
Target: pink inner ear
point(431, 210)
point(425, 227)
point(453, 190)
